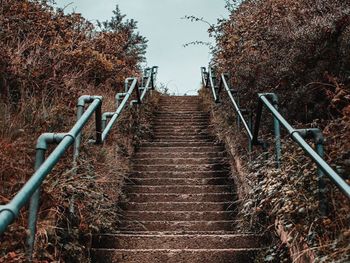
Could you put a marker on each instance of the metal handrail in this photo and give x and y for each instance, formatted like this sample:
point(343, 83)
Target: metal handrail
point(270, 101)
point(31, 189)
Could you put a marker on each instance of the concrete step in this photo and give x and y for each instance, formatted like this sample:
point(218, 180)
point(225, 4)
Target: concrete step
point(178, 215)
point(204, 241)
point(179, 174)
point(178, 197)
point(180, 108)
point(175, 137)
point(161, 161)
point(182, 140)
point(179, 124)
point(178, 113)
point(144, 233)
point(193, 128)
point(181, 189)
point(178, 206)
point(174, 255)
point(180, 144)
point(208, 154)
point(177, 225)
point(179, 167)
point(180, 149)
point(184, 110)
point(181, 127)
point(171, 122)
point(173, 131)
point(181, 117)
point(180, 131)
point(179, 181)
point(170, 134)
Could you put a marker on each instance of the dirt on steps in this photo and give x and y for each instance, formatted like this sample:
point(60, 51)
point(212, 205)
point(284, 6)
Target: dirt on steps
point(179, 204)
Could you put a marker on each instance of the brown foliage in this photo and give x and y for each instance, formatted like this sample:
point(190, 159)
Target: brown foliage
point(47, 60)
point(299, 50)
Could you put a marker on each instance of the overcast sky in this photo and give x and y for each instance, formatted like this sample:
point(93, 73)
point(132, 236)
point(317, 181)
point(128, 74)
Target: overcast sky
point(160, 22)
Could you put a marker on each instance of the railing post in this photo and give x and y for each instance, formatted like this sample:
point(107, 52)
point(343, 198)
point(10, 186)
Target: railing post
point(250, 124)
point(98, 124)
point(80, 112)
point(238, 118)
point(277, 130)
point(118, 98)
point(41, 147)
point(34, 207)
point(321, 182)
point(317, 136)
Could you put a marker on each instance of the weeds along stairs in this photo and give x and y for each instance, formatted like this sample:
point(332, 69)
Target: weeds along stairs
point(180, 198)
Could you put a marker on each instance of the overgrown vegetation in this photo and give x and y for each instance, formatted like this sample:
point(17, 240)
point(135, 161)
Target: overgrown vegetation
point(47, 60)
point(300, 51)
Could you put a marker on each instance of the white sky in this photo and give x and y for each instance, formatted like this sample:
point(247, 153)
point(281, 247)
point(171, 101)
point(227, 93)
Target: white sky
point(160, 22)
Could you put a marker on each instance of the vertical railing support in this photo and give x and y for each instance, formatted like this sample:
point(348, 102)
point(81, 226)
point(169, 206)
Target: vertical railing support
point(118, 98)
point(98, 124)
point(317, 136)
point(277, 129)
point(42, 145)
point(80, 111)
point(250, 125)
point(105, 117)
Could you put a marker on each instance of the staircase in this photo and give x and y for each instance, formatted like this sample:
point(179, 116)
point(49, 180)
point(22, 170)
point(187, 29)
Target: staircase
point(179, 205)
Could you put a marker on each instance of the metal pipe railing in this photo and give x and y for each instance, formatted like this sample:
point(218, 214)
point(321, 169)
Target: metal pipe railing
point(270, 101)
point(235, 105)
point(121, 107)
point(31, 189)
point(212, 83)
point(298, 138)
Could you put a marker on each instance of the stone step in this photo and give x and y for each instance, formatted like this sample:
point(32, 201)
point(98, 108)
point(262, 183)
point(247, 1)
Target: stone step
point(179, 174)
point(178, 197)
point(179, 167)
point(177, 215)
point(174, 255)
point(161, 161)
point(188, 241)
point(177, 225)
point(178, 206)
point(179, 189)
point(179, 181)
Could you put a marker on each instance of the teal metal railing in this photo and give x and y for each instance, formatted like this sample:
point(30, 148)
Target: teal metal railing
point(31, 189)
point(270, 102)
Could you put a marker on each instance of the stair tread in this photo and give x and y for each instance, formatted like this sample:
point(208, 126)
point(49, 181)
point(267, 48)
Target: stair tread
point(180, 202)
